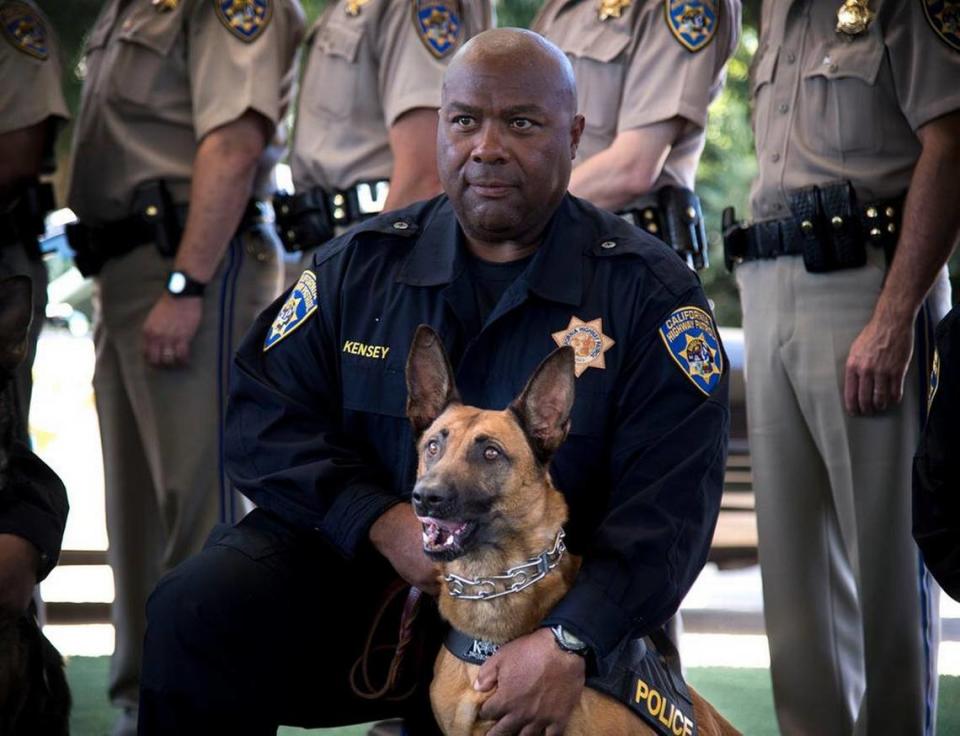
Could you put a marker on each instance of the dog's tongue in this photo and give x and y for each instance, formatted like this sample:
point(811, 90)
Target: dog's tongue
point(440, 532)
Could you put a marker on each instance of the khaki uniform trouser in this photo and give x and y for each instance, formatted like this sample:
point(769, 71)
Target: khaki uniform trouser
point(161, 428)
point(15, 261)
point(851, 614)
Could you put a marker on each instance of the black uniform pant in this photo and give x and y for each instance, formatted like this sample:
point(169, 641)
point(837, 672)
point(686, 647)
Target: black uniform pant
point(262, 628)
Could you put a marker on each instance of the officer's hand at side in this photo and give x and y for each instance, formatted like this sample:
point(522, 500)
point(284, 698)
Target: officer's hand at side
point(169, 330)
point(877, 365)
point(398, 536)
point(537, 685)
point(19, 562)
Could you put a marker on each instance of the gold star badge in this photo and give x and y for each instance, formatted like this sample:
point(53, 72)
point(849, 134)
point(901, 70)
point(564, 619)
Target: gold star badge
point(588, 343)
point(611, 8)
point(164, 6)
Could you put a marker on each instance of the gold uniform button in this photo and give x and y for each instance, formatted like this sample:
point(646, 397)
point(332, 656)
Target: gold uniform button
point(837, 222)
point(889, 212)
point(151, 211)
point(875, 232)
point(338, 200)
point(652, 228)
point(691, 213)
point(871, 212)
point(806, 226)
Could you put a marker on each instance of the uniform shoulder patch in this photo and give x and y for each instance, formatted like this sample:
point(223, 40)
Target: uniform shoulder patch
point(24, 29)
point(245, 19)
point(298, 308)
point(944, 16)
point(439, 24)
point(692, 342)
point(692, 22)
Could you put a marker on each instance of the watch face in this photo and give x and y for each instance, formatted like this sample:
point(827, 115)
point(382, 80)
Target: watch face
point(176, 283)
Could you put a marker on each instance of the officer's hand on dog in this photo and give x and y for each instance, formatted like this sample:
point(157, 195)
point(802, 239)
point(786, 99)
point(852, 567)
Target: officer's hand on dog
point(537, 685)
point(877, 364)
point(19, 563)
point(398, 536)
point(169, 329)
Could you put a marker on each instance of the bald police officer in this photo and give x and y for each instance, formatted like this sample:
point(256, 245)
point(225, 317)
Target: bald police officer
point(367, 112)
point(646, 73)
point(180, 101)
point(857, 124)
point(32, 111)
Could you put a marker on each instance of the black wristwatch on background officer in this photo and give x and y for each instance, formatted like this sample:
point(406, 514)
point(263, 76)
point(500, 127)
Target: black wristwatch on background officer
point(180, 284)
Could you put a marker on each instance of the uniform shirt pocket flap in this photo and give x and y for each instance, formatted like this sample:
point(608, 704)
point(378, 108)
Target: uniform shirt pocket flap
point(859, 59)
point(156, 31)
point(342, 41)
point(374, 389)
point(603, 47)
point(763, 69)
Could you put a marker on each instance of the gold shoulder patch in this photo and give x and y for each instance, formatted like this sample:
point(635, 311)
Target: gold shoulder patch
point(245, 19)
point(691, 340)
point(944, 17)
point(692, 22)
point(439, 24)
point(298, 308)
point(24, 29)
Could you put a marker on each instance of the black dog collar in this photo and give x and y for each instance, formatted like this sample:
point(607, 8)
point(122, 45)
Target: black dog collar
point(468, 649)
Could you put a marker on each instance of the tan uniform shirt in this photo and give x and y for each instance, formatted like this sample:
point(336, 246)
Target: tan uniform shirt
point(362, 73)
point(828, 108)
point(633, 71)
point(30, 67)
point(157, 81)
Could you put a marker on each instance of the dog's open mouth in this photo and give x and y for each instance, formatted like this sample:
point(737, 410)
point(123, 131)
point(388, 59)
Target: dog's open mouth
point(445, 537)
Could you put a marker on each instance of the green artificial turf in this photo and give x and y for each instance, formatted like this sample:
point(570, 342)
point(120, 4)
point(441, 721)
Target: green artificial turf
point(742, 695)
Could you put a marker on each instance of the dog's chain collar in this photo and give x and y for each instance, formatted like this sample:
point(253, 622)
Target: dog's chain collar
point(512, 581)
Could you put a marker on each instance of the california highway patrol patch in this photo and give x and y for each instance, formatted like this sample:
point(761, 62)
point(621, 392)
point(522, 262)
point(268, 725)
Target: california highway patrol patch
point(245, 19)
point(301, 303)
point(692, 22)
point(23, 27)
point(438, 24)
point(944, 16)
point(588, 343)
point(692, 342)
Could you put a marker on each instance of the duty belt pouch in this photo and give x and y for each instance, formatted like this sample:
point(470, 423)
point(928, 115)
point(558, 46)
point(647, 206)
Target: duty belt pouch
point(683, 225)
point(827, 222)
point(302, 220)
point(154, 206)
point(85, 256)
point(646, 678)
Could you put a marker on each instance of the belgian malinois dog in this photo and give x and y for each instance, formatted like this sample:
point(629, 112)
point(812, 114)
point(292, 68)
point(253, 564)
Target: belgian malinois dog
point(34, 696)
point(487, 505)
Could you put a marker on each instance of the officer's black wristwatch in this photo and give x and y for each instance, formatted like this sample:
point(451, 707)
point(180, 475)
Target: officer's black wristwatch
point(568, 642)
point(179, 284)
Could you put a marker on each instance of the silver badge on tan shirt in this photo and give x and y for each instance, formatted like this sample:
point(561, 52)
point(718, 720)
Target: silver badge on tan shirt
point(854, 17)
point(354, 6)
point(164, 6)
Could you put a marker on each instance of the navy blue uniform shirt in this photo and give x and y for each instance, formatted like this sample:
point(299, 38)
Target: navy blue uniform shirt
point(316, 429)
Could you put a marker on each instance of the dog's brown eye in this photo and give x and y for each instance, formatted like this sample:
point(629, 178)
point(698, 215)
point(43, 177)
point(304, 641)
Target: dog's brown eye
point(491, 453)
point(433, 447)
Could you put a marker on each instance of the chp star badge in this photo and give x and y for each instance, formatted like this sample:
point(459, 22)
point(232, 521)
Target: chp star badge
point(692, 22)
point(245, 19)
point(692, 342)
point(588, 343)
point(301, 303)
point(23, 28)
point(438, 24)
point(611, 8)
point(944, 16)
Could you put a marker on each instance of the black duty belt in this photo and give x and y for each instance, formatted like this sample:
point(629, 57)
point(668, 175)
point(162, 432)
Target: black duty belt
point(310, 218)
point(673, 214)
point(21, 216)
point(828, 227)
point(157, 221)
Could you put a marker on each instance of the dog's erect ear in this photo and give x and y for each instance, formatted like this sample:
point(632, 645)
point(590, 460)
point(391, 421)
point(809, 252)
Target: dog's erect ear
point(430, 386)
point(546, 402)
point(16, 308)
